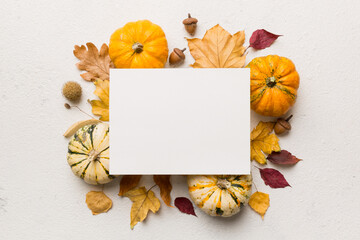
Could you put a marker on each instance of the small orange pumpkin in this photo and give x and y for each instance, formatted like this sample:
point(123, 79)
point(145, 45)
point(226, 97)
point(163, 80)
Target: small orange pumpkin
point(140, 44)
point(273, 85)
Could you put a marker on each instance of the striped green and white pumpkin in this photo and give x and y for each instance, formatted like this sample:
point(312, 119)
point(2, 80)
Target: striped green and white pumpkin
point(221, 195)
point(88, 154)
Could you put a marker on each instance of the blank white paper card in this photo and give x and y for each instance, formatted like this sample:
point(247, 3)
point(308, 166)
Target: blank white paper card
point(180, 121)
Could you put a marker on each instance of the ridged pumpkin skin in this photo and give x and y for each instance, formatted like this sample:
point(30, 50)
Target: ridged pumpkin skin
point(140, 44)
point(220, 195)
point(88, 154)
point(273, 85)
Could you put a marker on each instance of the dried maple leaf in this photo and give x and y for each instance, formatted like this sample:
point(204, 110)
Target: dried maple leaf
point(273, 178)
point(128, 182)
point(143, 201)
point(98, 202)
point(260, 202)
point(261, 141)
point(261, 39)
point(283, 157)
point(97, 64)
point(163, 181)
point(184, 205)
point(101, 107)
point(218, 49)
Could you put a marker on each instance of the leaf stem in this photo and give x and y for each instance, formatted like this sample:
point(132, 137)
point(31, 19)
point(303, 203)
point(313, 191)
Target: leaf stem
point(151, 187)
point(68, 105)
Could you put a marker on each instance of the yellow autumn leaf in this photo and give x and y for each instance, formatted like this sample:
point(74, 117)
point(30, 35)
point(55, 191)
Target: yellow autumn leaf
point(261, 141)
point(98, 202)
point(218, 49)
point(143, 202)
point(260, 202)
point(101, 107)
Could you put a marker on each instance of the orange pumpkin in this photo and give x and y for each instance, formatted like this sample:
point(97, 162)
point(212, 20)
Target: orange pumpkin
point(140, 44)
point(273, 85)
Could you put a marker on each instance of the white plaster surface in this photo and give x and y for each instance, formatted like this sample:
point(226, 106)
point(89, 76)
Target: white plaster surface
point(40, 198)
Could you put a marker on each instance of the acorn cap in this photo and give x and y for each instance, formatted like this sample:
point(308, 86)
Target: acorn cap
point(285, 124)
point(190, 20)
point(180, 52)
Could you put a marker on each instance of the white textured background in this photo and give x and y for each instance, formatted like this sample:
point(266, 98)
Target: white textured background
point(42, 199)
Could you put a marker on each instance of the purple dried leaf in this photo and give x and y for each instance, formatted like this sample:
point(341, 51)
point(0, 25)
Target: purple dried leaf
point(273, 178)
point(185, 205)
point(261, 39)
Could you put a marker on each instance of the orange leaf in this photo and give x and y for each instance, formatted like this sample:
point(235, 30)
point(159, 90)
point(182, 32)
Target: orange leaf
point(218, 49)
point(98, 202)
point(128, 182)
point(163, 181)
point(97, 64)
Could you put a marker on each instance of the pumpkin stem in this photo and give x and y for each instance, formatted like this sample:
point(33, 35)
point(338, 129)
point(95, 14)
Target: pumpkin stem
point(138, 47)
point(271, 81)
point(93, 155)
point(222, 183)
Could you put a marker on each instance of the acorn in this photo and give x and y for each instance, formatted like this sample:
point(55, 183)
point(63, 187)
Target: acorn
point(190, 24)
point(72, 91)
point(177, 56)
point(282, 125)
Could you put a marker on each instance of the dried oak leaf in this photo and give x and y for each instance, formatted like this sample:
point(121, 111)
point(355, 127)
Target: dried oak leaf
point(143, 202)
point(283, 157)
point(261, 39)
point(273, 178)
point(163, 181)
point(260, 202)
point(97, 64)
point(261, 141)
point(218, 49)
point(101, 107)
point(184, 205)
point(98, 202)
point(128, 182)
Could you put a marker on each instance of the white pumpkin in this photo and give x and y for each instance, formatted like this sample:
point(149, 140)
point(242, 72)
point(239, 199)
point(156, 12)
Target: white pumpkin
point(221, 195)
point(88, 154)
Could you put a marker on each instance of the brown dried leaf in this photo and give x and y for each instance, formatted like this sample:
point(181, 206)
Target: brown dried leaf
point(218, 49)
point(128, 182)
point(143, 202)
point(98, 202)
point(163, 181)
point(97, 64)
point(260, 202)
point(283, 157)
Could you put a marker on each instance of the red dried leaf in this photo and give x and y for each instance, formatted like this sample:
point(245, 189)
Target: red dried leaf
point(273, 178)
point(261, 39)
point(283, 157)
point(185, 205)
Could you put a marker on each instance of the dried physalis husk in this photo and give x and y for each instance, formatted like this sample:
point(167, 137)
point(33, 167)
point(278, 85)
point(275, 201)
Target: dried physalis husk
point(98, 202)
